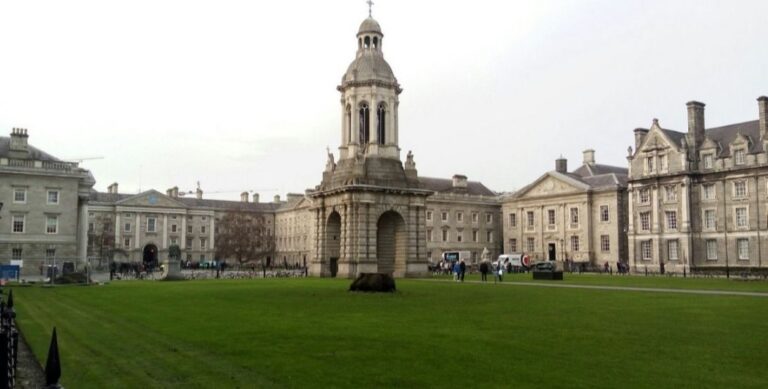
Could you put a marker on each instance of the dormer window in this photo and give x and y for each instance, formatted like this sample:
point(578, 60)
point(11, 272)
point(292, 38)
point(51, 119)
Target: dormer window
point(708, 161)
point(739, 156)
point(663, 163)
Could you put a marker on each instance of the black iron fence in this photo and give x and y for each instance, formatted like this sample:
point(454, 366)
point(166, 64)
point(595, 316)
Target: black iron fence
point(9, 349)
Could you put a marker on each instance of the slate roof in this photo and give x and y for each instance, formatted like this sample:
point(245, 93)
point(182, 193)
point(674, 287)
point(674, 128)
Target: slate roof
point(111, 198)
point(724, 135)
point(32, 151)
point(445, 185)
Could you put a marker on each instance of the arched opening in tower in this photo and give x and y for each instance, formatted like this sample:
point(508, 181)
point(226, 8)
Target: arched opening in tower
point(391, 243)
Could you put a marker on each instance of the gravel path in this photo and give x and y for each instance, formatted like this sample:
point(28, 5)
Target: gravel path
point(622, 288)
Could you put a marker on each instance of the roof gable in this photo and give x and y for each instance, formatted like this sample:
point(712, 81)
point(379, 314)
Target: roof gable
point(660, 139)
point(552, 183)
point(151, 198)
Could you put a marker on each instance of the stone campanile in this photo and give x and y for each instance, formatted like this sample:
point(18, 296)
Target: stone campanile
point(369, 209)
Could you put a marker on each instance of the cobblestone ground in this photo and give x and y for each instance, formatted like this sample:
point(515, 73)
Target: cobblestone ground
point(29, 373)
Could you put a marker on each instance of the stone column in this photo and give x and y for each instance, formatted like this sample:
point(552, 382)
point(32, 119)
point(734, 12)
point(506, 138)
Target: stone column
point(82, 233)
point(212, 238)
point(374, 119)
point(183, 243)
point(138, 230)
point(355, 119)
point(118, 231)
point(165, 231)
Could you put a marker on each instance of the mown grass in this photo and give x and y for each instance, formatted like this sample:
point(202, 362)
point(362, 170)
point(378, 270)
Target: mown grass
point(313, 333)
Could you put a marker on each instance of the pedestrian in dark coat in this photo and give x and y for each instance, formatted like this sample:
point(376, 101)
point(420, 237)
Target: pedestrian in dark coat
point(462, 270)
point(484, 271)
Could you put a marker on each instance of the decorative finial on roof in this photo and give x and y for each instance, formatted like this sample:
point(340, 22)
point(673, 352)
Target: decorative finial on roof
point(656, 121)
point(370, 5)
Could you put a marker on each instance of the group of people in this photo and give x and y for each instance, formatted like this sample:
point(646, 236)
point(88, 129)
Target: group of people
point(498, 268)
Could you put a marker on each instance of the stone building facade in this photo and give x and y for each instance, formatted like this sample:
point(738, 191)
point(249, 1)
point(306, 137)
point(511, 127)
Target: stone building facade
point(141, 227)
point(577, 216)
point(44, 203)
point(461, 215)
point(698, 199)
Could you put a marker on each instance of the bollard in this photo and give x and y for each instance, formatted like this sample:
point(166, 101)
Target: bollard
point(53, 364)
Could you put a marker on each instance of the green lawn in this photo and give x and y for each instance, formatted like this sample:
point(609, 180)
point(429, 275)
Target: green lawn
point(313, 333)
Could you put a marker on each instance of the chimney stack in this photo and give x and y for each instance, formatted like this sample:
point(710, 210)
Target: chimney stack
point(112, 188)
point(19, 140)
point(459, 181)
point(589, 157)
point(696, 121)
point(199, 193)
point(762, 104)
point(277, 198)
point(244, 197)
point(640, 134)
point(561, 165)
point(256, 198)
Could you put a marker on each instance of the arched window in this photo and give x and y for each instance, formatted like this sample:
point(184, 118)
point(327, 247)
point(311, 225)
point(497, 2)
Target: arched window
point(348, 123)
point(367, 42)
point(375, 42)
point(364, 123)
point(381, 114)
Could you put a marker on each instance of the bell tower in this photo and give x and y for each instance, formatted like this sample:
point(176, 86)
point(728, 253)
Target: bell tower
point(369, 99)
point(369, 209)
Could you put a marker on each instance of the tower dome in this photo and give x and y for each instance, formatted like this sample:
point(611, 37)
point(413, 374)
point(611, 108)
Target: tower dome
point(369, 63)
point(369, 25)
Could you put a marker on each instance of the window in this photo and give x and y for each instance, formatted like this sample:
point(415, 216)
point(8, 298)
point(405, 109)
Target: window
point(459, 236)
point(475, 234)
point(672, 249)
point(173, 228)
point(202, 229)
point(19, 196)
point(53, 197)
point(708, 191)
point(189, 243)
point(711, 250)
point(51, 224)
point(460, 217)
point(128, 215)
point(127, 227)
point(574, 243)
point(645, 221)
point(738, 156)
point(740, 189)
point(429, 235)
point(645, 196)
point(512, 245)
point(551, 217)
point(743, 245)
point(489, 218)
point(127, 243)
point(174, 242)
point(90, 227)
point(364, 117)
point(17, 224)
point(202, 244)
point(445, 235)
point(202, 257)
point(444, 216)
point(381, 115)
point(16, 254)
point(645, 250)
point(489, 236)
point(513, 220)
point(663, 163)
point(605, 243)
point(671, 219)
point(531, 243)
point(529, 216)
point(708, 161)
point(741, 217)
point(189, 229)
point(605, 214)
point(574, 216)
point(710, 221)
point(649, 164)
point(151, 224)
point(670, 193)
point(429, 216)
point(50, 254)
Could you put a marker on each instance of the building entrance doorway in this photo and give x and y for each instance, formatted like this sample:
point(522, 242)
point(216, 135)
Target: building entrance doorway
point(150, 256)
point(391, 244)
point(552, 252)
point(333, 242)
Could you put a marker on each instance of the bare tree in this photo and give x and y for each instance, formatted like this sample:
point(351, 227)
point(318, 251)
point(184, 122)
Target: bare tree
point(244, 237)
point(101, 238)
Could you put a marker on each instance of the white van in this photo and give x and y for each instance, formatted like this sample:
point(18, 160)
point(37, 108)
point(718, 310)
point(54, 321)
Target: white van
point(519, 260)
point(453, 256)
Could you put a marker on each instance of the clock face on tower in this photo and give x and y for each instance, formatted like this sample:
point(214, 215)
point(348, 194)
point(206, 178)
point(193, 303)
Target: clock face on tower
point(152, 199)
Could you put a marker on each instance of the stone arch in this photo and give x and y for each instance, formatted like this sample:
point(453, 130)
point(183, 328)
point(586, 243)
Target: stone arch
point(391, 244)
point(333, 242)
point(150, 255)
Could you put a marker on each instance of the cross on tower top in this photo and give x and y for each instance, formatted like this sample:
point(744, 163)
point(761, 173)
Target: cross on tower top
point(370, 5)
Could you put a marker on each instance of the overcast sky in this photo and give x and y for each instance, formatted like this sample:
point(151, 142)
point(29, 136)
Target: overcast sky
point(241, 95)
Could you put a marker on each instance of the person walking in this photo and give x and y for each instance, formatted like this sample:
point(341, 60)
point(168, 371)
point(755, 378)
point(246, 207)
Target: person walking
point(456, 270)
point(462, 270)
point(484, 271)
point(498, 272)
